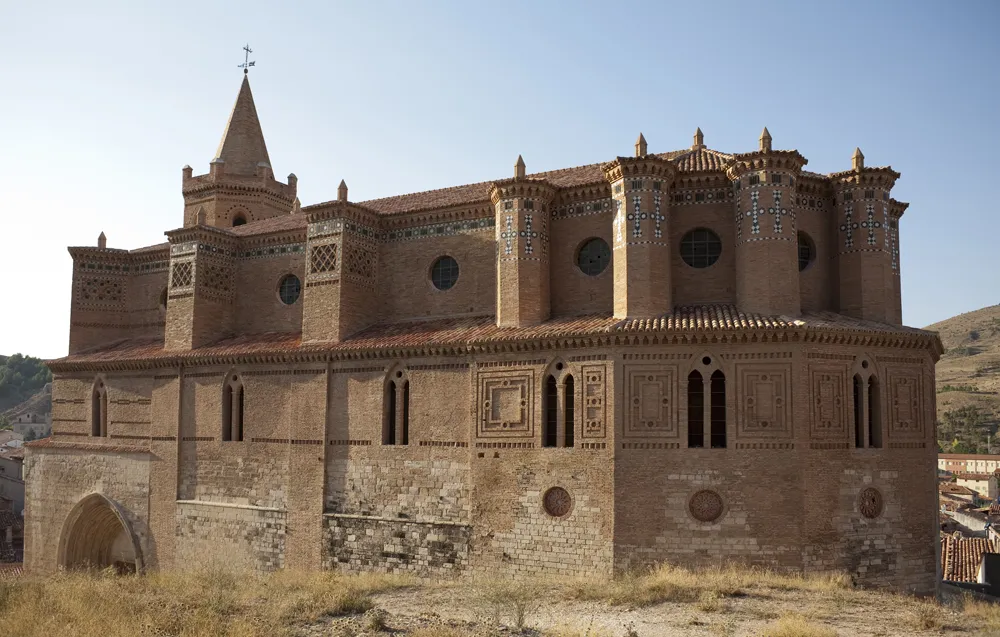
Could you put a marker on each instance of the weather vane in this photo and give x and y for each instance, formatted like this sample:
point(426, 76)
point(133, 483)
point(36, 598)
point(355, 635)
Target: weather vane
point(246, 60)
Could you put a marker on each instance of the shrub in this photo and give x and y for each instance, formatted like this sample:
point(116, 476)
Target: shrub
point(510, 600)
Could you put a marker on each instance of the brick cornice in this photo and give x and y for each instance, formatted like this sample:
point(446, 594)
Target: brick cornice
point(522, 187)
point(789, 160)
point(320, 352)
point(647, 166)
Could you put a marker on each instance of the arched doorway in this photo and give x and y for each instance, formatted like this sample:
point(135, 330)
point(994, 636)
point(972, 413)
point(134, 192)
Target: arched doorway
point(98, 535)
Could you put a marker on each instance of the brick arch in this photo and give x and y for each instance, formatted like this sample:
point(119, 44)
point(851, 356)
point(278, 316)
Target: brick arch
point(97, 534)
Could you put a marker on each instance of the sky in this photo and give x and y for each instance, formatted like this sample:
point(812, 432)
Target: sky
point(102, 104)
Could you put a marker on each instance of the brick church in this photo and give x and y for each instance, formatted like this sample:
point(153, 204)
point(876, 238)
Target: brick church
point(689, 356)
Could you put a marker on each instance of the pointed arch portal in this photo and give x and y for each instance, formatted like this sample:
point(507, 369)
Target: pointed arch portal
point(98, 535)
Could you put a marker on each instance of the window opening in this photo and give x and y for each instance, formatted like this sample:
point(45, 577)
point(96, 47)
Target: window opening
point(389, 432)
point(874, 414)
point(239, 220)
point(859, 436)
point(570, 412)
point(289, 289)
point(444, 273)
point(718, 410)
point(549, 436)
point(99, 412)
point(594, 256)
point(406, 412)
point(696, 410)
point(806, 251)
point(701, 248)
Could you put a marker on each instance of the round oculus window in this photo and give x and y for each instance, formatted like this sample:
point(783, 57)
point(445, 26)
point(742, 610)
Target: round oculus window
point(701, 248)
point(289, 289)
point(557, 502)
point(807, 252)
point(594, 256)
point(444, 273)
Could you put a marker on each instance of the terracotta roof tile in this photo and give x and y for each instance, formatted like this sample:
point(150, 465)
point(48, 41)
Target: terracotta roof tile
point(274, 224)
point(955, 489)
point(960, 557)
point(11, 571)
point(460, 331)
point(973, 476)
point(703, 160)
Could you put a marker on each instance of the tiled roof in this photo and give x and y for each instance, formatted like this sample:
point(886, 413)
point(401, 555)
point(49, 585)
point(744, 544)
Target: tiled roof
point(274, 224)
point(955, 489)
point(967, 456)
point(960, 557)
point(461, 331)
point(703, 160)
point(11, 571)
point(994, 508)
point(153, 248)
point(963, 475)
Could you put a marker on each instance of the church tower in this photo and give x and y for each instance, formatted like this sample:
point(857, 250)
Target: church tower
point(240, 186)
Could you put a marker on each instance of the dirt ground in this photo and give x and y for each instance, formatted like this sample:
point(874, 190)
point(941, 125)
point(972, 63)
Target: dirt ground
point(455, 610)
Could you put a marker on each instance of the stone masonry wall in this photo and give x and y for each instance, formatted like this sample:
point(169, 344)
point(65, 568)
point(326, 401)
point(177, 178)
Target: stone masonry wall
point(362, 543)
point(230, 536)
point(56, 480)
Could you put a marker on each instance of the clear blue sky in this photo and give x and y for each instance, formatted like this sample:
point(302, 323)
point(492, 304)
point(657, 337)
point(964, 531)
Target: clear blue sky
point(102, 103)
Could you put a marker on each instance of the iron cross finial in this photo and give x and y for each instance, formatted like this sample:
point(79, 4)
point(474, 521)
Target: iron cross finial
point(246, 59)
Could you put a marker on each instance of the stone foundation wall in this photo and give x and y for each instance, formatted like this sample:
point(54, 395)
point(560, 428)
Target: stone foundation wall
point(229, 536)
point(399, 482)
point(359, 543)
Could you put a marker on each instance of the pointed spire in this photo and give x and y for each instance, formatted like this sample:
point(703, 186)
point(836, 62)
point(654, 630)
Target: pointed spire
point(857, 160)
point(519, 168)
point(342, 191)
point(699, 139)
point(102, 241)
point(242, 147)
point(640, 146)
point(765, 140)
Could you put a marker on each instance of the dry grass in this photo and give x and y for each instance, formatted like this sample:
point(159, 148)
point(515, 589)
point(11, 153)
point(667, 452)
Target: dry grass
point(676, 584)
point(796, 626)
point(184, 604)
point(982, 614)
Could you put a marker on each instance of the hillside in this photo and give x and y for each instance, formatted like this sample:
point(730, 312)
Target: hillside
point(21, 377)
point(968, 379)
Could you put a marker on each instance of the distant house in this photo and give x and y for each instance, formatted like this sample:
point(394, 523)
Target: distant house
point(12, 479)
point(968, 462)
point(978, 482)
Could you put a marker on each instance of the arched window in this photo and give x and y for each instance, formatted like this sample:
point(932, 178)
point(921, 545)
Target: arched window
point(550, 437)
point(406, 412)
point(239, 219)
point(389, 428)
point(232, 410)
point(570, 414)
point(718, 410)
point(396, 409)
point(874, 413)
point(696, 410)
point(859, 421)
point(99, 410)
